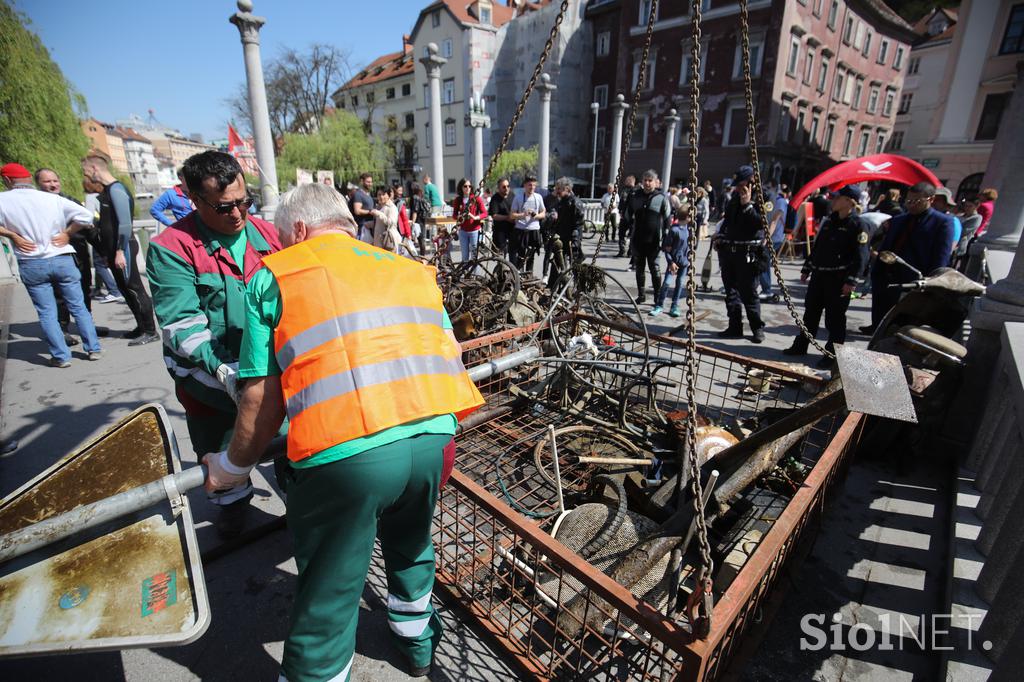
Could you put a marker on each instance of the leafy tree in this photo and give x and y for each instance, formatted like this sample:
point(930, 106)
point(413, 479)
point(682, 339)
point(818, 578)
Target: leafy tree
point(514, 164)
point(38, 125)
point(340, 145)
point(299, 86)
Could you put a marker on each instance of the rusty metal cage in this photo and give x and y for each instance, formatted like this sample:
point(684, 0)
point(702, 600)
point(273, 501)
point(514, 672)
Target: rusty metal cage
point(497, 559)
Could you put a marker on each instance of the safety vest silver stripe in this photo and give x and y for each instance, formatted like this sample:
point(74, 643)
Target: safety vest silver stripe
point(409, 628)
point(189, 345)
point(169, 330)
point(399, 606)
point(340, 677)
point(370, 375)
point(319, 334)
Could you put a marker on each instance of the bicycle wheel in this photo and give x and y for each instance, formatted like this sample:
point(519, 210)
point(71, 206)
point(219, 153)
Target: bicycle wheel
point(589, 229)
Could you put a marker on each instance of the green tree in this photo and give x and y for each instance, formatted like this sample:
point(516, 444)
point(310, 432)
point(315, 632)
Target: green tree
point(514, 164)
point(38, 124)
point(340, 145)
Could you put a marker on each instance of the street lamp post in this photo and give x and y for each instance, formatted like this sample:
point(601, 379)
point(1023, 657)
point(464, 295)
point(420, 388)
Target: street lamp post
point(433, 63)
point(249, 30)
point(619, 108)
point(594, 109)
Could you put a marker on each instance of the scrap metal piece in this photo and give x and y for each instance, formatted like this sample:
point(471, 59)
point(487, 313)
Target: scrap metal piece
point(874, 383)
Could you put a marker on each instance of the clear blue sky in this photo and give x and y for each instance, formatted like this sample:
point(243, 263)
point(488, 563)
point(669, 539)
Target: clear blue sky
point(183, 58)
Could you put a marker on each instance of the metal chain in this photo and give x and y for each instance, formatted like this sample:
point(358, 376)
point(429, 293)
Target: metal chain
point(696, 488)
point(757, 192)
point(640, 82)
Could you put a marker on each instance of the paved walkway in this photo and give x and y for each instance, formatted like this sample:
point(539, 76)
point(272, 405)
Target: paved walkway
point(51, 411)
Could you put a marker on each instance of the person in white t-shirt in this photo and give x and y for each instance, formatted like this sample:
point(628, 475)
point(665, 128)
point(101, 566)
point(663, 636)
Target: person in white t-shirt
point(40, 225)
point(527, 211)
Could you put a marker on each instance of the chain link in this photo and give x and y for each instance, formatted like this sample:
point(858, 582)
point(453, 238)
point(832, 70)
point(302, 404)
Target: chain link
point(757, 191)
point(640, 81)
point(696, 488)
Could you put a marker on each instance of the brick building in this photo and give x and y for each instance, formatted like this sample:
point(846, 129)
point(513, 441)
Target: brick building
point(826, 74)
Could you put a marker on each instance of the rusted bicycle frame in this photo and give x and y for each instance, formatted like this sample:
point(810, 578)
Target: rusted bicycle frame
point(506, 570)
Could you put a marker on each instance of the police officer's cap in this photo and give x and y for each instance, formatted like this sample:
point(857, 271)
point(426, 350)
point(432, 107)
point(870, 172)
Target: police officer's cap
point(850, 192)
point(743, 174)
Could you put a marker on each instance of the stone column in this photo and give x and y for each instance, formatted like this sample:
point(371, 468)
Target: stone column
point(478, 119)
point(433, 63)
point(671, 121)
point(546, 87)
point(249, 29)
point(619, 108)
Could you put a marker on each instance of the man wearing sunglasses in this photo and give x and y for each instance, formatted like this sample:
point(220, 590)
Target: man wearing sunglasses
point(197, 270)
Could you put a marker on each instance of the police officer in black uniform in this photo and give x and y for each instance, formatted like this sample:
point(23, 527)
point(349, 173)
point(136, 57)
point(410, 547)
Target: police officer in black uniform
point(740, 245)
point(838, 258)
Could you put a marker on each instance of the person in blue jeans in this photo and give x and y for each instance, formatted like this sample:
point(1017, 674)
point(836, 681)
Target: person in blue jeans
point(40, 225)
point(675, 245)
point(780, 211)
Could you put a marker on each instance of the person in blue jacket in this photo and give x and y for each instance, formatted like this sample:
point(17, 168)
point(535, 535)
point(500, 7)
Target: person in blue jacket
point(921, 236)
point(174, 199)
point(675, 246)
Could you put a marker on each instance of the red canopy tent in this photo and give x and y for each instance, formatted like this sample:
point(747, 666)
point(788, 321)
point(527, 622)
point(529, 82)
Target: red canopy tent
point(875, 167)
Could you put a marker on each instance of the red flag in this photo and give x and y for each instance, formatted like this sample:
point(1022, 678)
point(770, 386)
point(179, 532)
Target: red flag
point(234, 139)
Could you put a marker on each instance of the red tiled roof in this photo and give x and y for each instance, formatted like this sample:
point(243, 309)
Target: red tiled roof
point(129, 134)
point(500, 14)
point(391, 65)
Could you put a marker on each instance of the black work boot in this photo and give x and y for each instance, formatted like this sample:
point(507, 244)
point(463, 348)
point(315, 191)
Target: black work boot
point(758, 335)
point(731, 332)
point(799, 347)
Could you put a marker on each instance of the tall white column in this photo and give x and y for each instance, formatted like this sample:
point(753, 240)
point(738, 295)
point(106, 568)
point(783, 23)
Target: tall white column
point(619, 108)
point(478, 119)
point(433, 63)
point(977, 24)
point(546, 87)
point(671, 121)
point(249, 29)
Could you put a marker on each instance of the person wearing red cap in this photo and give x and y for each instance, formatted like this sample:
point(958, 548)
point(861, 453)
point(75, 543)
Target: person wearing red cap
point(40, 225)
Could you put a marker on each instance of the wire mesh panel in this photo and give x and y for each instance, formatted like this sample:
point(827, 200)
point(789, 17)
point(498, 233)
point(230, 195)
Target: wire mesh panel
point(554, 611)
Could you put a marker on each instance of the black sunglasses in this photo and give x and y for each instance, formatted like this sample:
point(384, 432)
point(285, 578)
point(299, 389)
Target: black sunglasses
point(224, 209)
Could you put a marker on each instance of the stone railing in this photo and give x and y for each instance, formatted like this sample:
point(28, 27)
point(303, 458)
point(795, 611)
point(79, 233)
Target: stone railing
point(592, 210)
point(987, 587)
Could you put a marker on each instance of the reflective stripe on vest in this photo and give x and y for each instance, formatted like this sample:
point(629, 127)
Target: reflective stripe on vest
point(361, 344)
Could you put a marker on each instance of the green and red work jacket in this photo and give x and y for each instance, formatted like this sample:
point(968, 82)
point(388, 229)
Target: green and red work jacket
point(199, 300)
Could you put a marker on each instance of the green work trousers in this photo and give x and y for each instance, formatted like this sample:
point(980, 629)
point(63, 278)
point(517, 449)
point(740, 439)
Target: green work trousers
point(335, 511)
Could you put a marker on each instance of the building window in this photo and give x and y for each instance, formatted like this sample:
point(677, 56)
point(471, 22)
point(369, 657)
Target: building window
point(410, 121)
point(991, 115)
point(341, 102)
point(449, 133)
point(913, 65)
point(872, 99)
point(604, 44)
point(485, 15)
point(451, 185)
point(756, 48)
point(426, 95)
point(897, 63)
point(735, 126)
point(370, 97)
point(448, 91)
point(801, 121)
point(848, 30)
point(847, 140)
point(649, 71)
point(867, 44)
point(809, 66)
point(815, 123)
point(687, 64)
point(862, 149)
point(355, 101)
point(645, 12)
point(896, 141)
point(1013, 39)
point(794, 55)
point(816, 8)
point(389, 93)
point(833, 12)
point(435, 18)
point(426, 134)
point(905, 100)
point(823, 74)
point(883, 51)
point(880, 144)
point(601, 95)
point(600, 138)
point(639, 138)
point(683, 132)
point(406, 89)
point(837, 91)
point(830, 131)
point(785, 123)
point(446, 48)
point(890, 97)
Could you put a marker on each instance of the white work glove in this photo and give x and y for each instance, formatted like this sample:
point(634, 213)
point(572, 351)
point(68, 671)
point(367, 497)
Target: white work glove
point(227, 375)
point(222, 475)
point(584, 343)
